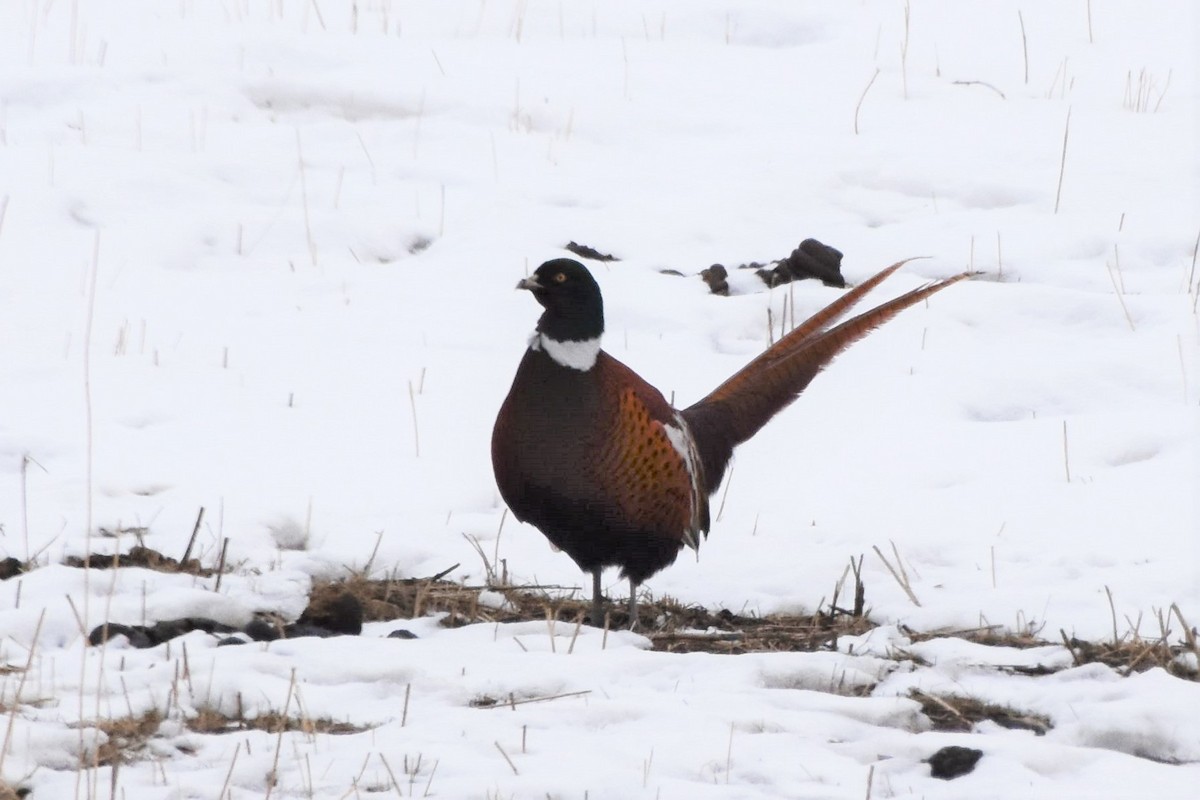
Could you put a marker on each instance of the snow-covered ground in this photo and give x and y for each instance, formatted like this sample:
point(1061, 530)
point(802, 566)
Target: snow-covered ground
point(258, 257)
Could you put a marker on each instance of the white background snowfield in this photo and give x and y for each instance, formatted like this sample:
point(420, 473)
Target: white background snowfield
point(259, 255)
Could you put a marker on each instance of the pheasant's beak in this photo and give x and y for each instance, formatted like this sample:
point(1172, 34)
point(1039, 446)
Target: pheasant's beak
point(530, 284)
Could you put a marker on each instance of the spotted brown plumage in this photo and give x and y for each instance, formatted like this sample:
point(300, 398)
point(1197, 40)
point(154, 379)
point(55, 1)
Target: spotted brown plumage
point(592, 455)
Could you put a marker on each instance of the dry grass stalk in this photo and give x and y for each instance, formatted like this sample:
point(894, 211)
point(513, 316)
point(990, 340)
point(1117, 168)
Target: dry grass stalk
point(862, 97)
point(1062, 167)
point(12, 716)
point(900, 576)
point(506, 758)
point(1024, 45)
point(187, 553)
point(953, 713)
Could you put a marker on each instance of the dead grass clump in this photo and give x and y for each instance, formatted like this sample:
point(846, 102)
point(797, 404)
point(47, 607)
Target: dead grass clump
point(961, 714)
point(1129, 652)
point(386, 599)
point(670, 625)
point(725, 632)
point(9, 793)
point(127, 737)
point(1131, 655)
point(144, 557)
point(209, 720)
point(989, 635)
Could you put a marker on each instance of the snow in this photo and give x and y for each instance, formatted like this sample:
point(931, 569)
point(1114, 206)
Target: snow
point(259, 256)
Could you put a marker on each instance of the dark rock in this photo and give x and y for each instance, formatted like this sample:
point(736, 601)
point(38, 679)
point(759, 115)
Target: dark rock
point(812, 259)
point(400, 633)
point(235, 639)
point(584, 251)
point(716, 278)
point(10, 567)
point(300, 629)
point(261, 630)
point(169, 629)
point(142, 636)
point(136, 635)
point(333, 609)
point(952, 762)
point(775, 276)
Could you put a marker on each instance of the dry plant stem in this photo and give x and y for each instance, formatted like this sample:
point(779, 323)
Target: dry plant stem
point(429, 783)
point(26, 460)
point(87, 403)
point(16, 701)
point(1129, 668)
point(1066, 453)
point(725, 494)
point(941, 702)
point(513, 702)
point(862, 97)
point(1188, 634)
point(860, 590)
point(575, 635)
point(404, 713)
point(221, 564)
point(187, 553)
point(550, 628)
point(1062, 167)
point(1192, 273)
point(1112, 607)
point(417, 126)
point(78, 619)
point(1120, 298)
point(487, 565)
point(273, 775)
point(442, 213)
point(391, 775)
point(412, 401)
point(366, 570)
point(308, 237)
point(229, 773)
point(499, 530)
point(361, 771)
point(506, 758)
point(870, 780)
point(900, 563)
point(980, 83)
point(1024, 46)
point(903, 584)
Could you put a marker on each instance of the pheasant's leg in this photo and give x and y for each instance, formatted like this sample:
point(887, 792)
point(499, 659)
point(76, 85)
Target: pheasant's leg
point(597, 598)
point(633, 587)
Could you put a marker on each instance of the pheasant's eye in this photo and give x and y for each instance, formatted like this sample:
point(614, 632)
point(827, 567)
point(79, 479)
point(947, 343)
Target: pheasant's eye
point(559, 277)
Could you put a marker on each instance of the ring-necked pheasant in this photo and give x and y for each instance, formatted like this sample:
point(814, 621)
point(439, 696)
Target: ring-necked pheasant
point(595, 457)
